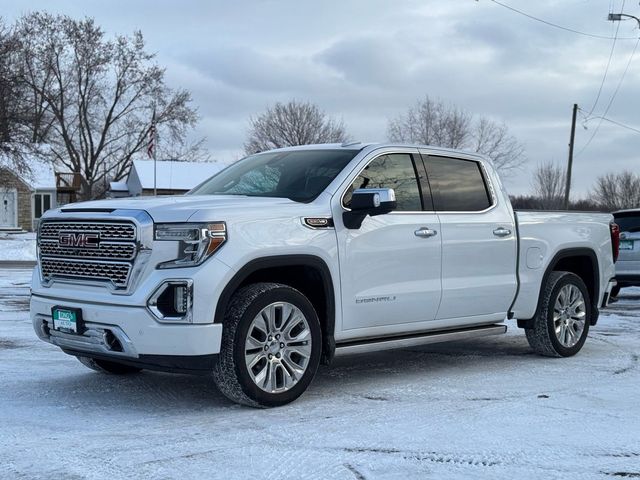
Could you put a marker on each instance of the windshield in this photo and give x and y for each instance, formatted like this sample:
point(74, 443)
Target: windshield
point(628, 222)
point(300, 175)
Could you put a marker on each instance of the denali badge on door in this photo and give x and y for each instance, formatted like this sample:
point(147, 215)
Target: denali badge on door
point(68, 320)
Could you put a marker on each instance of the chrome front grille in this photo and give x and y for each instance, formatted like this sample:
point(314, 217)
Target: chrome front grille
point(64, 253)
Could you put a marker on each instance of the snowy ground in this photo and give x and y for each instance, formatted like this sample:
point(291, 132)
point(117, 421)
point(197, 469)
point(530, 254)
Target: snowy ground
point(482, 409)
point(17, 246)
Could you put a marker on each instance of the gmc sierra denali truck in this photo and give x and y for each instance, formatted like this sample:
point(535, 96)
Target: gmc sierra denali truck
point(291, 257)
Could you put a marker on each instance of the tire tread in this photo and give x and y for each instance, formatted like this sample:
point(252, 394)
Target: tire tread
point(225, 370)
point(539, 336)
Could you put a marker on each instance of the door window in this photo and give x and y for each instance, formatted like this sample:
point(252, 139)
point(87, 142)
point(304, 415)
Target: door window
point(458, 185)
point(395, 170)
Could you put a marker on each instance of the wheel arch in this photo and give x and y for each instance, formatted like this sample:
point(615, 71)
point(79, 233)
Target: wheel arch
point(304, 273)
point(582, 262)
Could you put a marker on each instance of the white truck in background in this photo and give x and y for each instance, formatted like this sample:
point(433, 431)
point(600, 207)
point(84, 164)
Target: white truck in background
point(290, 257)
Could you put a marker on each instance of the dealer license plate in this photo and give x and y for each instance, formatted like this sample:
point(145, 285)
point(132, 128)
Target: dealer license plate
point(66, 319)
point(626, 244)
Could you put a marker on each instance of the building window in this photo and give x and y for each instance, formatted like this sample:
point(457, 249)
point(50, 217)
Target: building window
point(42, 203)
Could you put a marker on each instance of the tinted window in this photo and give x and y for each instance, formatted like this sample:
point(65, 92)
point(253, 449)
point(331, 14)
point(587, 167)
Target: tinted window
point(628, 222)
point(390, 171)
point(300, 175)
point(458, 185)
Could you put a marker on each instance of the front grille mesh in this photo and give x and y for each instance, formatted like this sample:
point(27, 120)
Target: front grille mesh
point(106, 250)
point(117, 273)
point(111, 261)
point(107, 230)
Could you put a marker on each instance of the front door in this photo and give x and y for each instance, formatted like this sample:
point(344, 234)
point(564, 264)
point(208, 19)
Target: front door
point(390, 271)
point(8, 201)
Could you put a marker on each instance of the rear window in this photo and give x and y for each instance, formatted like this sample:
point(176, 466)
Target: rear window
point(458, 185)
point(628, 222)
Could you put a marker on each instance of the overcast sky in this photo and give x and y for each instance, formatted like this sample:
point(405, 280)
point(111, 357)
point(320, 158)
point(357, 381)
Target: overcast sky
point(368, 60)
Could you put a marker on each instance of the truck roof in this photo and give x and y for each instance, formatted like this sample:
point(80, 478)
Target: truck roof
point(357, 146)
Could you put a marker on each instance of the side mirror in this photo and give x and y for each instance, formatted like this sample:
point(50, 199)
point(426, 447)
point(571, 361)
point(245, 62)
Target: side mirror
point(369, 201)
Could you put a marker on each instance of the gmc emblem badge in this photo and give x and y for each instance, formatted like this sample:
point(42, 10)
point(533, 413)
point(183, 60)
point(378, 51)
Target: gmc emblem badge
point(79, 239)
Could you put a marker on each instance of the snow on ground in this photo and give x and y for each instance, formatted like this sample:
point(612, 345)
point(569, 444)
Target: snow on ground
point(487, 408)
point(17, 246)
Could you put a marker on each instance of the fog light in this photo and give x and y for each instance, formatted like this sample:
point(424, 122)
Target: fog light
point(171, 301)
point(180, 299)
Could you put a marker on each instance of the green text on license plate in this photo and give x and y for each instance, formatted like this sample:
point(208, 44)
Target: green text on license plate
point(66, 320)
point(626, 244)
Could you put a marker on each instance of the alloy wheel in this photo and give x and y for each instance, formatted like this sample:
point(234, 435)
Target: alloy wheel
point(569, 315)
point(278, 347)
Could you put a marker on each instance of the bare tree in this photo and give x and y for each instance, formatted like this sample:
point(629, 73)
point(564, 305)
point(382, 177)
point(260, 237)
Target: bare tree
point(7, 84)
point(292, 123)
point(13, 117)
point(616, 191)
point(432, 122)
point(182, 150)
point(95, 96)
point(532, 202)
point(548, 186)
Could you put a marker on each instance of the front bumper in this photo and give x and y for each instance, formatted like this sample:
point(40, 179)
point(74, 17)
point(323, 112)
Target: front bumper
point(128, 334)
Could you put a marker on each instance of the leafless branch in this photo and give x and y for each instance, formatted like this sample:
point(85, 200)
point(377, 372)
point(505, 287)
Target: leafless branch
point(432, 122)
point(292, 123)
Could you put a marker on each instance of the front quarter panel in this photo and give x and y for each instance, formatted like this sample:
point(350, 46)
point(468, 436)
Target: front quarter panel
point(255, 235)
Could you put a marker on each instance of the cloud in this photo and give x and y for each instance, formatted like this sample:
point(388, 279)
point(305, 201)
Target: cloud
point(365, 61)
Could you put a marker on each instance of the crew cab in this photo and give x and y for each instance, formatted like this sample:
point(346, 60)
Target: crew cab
point(291, 257)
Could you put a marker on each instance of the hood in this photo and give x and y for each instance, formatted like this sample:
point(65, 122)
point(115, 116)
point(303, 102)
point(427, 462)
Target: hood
point(180, 208)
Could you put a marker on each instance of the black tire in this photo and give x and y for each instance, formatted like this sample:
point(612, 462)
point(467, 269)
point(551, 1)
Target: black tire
point(615, 291)
point(231, 373)
point(104, 366)
point(542, 336)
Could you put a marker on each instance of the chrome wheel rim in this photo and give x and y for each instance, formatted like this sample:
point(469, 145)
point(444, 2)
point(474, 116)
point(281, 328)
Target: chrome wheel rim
point(278, 347)
point(569, 315)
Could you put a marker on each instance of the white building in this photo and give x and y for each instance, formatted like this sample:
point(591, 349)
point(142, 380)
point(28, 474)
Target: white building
point(172, 177)
point(24, 198)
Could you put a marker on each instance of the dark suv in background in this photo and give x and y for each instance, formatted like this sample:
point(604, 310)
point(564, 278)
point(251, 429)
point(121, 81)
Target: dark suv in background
point(628, 264)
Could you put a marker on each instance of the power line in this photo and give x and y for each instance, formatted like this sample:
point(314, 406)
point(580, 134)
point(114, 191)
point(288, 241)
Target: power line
point(615, 92)
point(555, 25)
point(606, 70)
point(620, 124)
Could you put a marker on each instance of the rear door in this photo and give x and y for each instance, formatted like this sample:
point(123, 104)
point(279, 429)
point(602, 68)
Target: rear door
point(478, 240)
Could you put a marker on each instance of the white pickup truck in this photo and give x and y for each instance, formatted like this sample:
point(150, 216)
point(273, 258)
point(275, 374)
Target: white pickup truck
point(290, 257)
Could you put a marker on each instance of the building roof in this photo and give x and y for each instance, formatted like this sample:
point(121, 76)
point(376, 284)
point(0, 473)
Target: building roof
point(118, 186)
point(174, 175)
point(41, 177)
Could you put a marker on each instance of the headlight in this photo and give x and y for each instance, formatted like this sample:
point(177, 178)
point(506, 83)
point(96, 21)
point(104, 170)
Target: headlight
point(196, 241)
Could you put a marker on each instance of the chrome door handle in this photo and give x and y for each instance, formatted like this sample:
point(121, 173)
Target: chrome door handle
point(502, 232)
point(425, 232)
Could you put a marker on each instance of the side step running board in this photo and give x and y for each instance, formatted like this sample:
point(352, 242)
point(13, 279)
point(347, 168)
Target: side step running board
point(378, 344)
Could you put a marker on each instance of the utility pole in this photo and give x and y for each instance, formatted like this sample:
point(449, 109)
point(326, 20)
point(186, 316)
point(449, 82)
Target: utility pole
point(567, 188)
